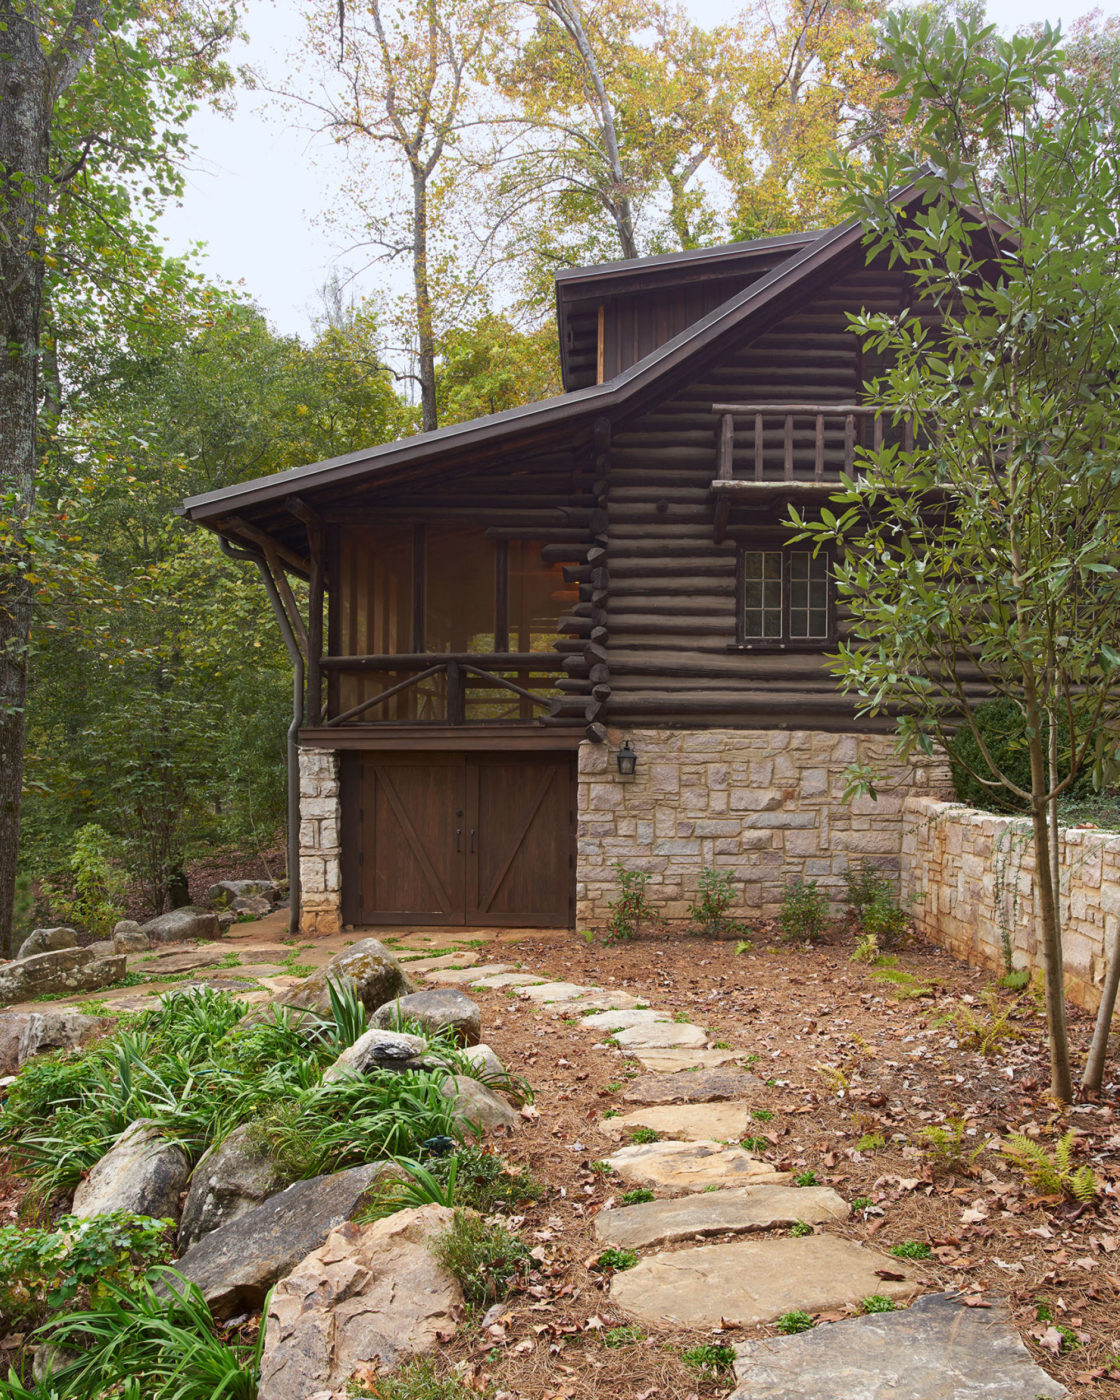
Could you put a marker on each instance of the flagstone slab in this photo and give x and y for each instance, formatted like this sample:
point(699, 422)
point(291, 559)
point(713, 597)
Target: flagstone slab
point(694, 1122)
point(937, 1349)
point(496, 981)
point(662, 1035)
point(543, 992)
point(468, 958)
point(703, 1086)
point(595, 999)
point(737, 1212)
point(622, 1020)
point(168, 964)
point(691, 1166)
point(753, 1281)
point(455, 976)
point(670, 1060)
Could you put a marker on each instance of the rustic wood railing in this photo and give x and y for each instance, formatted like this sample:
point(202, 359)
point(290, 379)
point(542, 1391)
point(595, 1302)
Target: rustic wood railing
point(459, 669)
point(789, 413)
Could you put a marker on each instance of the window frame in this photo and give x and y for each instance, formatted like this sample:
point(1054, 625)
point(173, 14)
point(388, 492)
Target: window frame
point(785, 642)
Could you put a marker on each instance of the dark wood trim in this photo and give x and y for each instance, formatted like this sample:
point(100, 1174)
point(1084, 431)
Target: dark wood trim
point(315, 628)
point(501, 596)
point(495, 738)
point(419, 585)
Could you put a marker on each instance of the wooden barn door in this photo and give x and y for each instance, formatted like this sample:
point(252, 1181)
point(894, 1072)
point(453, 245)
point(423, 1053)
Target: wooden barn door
point(446, 838)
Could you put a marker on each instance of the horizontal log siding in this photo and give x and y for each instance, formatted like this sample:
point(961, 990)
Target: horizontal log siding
point(672, 607)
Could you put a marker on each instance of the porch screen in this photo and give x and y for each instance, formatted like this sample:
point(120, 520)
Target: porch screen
point(460, 589)
point(538, 598)
point(374, 603)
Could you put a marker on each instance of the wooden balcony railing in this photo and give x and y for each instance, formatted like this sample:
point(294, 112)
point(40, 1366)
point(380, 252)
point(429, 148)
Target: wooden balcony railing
point(800, 442)
point(445, 687)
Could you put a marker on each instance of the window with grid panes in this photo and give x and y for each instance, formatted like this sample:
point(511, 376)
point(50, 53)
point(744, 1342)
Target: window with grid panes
point(785, 597)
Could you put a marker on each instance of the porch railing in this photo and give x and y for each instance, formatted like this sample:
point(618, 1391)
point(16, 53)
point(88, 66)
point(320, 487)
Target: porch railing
point(800, 442)
point(447, 681)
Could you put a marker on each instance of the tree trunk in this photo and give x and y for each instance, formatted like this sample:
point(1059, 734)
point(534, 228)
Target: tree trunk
point(1046, 913)
point(425, 335)
point(24, 186)
point(1093, 1077)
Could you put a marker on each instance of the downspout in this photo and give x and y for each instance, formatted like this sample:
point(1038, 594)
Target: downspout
point(293, 728)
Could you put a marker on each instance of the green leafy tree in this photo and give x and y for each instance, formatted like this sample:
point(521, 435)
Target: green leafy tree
point(490, 365)
point(984, 559)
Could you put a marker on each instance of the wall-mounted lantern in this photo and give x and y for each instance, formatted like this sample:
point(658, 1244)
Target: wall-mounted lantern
point(627, 760)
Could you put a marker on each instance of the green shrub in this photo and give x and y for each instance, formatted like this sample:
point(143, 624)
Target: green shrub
point(632, 907)
point(713, 1357)
point(46, 1272)
point(484, 1182)
point(876, 1303)
point(800, 1228)
point(1003, 729)
point(617, 1259)
point(806, 1178)
point(716, 894)
point(804, 911)
point(485, 1257)
point(638, 1196)
point(645, 1135)
point(97, 901)
point(793, 1322)
point(911, 1249)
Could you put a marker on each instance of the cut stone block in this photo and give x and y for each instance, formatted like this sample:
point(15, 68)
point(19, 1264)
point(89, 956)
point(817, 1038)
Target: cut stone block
point(753, 1281)
point(705, 1086)
point(461, 976)
point(937, 1349)
point(678, 1061)
point(661, 1035)
point(718, 1213)
point(509, 979)
point(693, 1122)
point(691, 1166)
point(624, 1020)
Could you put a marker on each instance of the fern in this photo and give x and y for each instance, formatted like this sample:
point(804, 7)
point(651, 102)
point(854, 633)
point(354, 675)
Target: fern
point(1051, 1173)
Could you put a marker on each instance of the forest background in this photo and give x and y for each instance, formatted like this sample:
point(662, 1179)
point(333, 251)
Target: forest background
point(488, 145)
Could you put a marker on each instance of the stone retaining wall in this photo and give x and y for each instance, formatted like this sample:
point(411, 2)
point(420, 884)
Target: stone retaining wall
point(765, 804)
point(971, 874)
point(320, 852)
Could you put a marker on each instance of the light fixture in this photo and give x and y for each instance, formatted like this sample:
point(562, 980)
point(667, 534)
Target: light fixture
point(627, 760)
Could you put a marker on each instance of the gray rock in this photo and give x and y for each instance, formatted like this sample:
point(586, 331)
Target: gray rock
point(102, 948)
point(378, 1049)
point(47, 940)
point(937, 1349)
point(49, 1358)
point(58, 1030)
point(185, 960)
point(437, 1009)
point(690, 1122)
point(691, 1166)
point(129, 937)
point(12, 1026)
point(253, 905)
point(368, 965)
point(236, 1265)
point(477, 1107)
point(229, 1181)
point(706, 1086)
point(141, 1173)
point(180, 925)
point(64, 970)
point(735, 1212)
point(454, 976)
point(225, 892)
point(484, 1060)
point(372, 1295)
point(661, 1035)
point(753, 1281)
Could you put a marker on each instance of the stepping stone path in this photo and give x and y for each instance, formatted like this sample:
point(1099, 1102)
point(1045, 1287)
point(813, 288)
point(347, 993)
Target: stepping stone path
point(662, 1035)
point(753, 1281)
point(718, 1213)
point(707, 1086)
point(690, 1166)
point(673, 1061)
point(508, 979)
point(695, 1122)
point(623, 1020)
point(937, 1349)
point(462, 976)
point(445, 960)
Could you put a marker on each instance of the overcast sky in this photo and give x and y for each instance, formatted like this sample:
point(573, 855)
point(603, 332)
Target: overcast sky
point(258, 186)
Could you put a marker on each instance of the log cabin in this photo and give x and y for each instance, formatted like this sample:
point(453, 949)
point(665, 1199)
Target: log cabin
point(575, 633)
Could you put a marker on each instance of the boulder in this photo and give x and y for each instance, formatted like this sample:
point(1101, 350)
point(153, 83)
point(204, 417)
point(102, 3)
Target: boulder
point(226, 892)
point(103, 948)
point(65, 970)
point(58, 1030)
point(251, 906)
point(371, 1296)
point(12, 1026)
point(180, 925)
point(477, 1107)
point(229, 1181)
point(378, 1049)
point(484, 1060)
point(129, 937)
point(141, 1173)
point(47, 940)
point(440, 1008)
point(236, 1265)
point(368, 965)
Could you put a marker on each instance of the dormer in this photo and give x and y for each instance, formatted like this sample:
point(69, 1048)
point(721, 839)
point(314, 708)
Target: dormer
point(611, 315)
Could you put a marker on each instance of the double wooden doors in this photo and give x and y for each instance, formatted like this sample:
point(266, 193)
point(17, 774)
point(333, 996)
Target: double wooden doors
point(458, 838)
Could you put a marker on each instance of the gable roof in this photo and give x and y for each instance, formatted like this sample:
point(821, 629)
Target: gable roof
point(533, 421)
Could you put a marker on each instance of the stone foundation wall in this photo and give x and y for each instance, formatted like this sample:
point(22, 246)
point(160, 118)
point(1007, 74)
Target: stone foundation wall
point(765, 804)
point(971, 874)
point(320, 852)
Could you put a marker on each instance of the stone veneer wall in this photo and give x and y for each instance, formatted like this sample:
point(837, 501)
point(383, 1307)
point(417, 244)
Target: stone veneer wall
point(971, 875)
point(765, 804)
point(320, 852)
